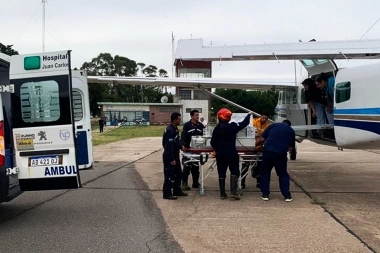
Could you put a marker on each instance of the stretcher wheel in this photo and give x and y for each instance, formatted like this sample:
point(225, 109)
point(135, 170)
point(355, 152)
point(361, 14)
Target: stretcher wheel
point(201, 191)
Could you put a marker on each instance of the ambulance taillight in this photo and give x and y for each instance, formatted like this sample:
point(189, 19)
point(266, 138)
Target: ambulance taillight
point(2, 144)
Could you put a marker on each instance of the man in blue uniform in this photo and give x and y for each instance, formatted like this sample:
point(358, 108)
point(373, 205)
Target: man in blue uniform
point(278, 139)
point(191, 128)
point(172, 166)
point(223, 141)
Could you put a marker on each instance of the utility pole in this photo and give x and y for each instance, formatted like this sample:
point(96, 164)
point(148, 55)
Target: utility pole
point(43, 25)
point(172, 55)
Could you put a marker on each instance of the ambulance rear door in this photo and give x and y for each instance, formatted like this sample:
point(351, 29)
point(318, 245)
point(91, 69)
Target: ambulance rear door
point(43, 121)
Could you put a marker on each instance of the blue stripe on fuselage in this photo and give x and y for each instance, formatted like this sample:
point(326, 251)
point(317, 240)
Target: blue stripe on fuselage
point(357, 124)
point(358, 111)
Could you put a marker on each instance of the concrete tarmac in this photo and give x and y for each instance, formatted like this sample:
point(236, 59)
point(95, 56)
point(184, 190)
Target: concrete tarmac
point(336, 208)
point(113, 212)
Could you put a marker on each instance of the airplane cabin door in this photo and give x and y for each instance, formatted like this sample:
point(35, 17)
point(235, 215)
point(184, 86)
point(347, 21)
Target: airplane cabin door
point(82, 118)
point(296, 113)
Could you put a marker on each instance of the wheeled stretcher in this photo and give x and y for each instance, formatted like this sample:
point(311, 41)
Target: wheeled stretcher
point(249, 157)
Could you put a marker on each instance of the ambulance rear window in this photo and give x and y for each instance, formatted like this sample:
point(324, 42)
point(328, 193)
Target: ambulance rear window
point(39, 101)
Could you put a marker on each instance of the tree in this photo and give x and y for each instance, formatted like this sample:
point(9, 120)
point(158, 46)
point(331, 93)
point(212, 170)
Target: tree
point(150, 71)
point(163, 73)
point(106, 65)
point(7, 49)
point(257, 101)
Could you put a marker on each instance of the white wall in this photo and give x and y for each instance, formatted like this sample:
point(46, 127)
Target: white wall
point(194, 104)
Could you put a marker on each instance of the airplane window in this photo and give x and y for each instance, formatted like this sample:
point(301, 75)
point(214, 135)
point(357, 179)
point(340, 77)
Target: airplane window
point(295, 97)
point(280, 98)
point(343, 92)
point(321, 61)
point(303, 96)
point(308, 63)
point(287, 97)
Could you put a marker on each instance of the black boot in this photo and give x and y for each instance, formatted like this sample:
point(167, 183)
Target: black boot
point(234, 184)
point(195, 174)
point(185, 177)
point(185, 186)
point(222, 188)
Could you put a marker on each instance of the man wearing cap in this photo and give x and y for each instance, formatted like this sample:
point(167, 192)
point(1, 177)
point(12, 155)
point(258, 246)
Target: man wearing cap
point(223, 141)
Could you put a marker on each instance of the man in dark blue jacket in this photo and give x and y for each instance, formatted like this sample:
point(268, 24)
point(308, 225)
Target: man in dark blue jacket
point(223, 141)
point(190, 129)
point(172, 165)
point(278, 139)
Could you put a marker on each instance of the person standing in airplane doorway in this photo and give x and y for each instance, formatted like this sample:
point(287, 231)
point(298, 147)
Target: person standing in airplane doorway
point(223, 141)
point(190, 129)
point(316, 102)
point(326, 84)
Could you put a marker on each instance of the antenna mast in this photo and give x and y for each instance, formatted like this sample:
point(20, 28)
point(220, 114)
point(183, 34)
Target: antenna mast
point(172, 55)
point(43, 25)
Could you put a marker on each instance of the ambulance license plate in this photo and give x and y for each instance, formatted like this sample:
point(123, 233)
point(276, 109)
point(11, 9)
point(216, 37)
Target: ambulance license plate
point(45, 160)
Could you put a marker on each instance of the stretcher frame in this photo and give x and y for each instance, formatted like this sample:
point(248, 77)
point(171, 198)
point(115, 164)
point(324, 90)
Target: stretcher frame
point(248, 155)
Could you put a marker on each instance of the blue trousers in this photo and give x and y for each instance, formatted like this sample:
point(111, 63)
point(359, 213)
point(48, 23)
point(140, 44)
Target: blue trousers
point(279, 162)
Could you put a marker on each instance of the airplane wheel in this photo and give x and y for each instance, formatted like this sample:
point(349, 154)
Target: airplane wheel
point(293, 154)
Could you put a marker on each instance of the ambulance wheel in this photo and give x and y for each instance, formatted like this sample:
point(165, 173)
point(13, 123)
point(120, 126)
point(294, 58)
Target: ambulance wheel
point(293, 154)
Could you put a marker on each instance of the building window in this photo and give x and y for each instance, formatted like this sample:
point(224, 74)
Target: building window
point(192, 75)
point(139, 115)
point(200, 95)
point(185, 94)
point(188, 110)
point(343, 92)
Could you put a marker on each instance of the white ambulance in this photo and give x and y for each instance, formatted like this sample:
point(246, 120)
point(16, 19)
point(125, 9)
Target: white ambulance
point(45, 125)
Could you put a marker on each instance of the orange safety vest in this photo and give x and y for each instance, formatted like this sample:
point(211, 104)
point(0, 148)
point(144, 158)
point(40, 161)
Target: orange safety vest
point(259, 129)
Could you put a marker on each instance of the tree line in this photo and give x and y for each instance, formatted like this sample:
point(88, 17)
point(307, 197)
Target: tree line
point(257, 101)
point(107, 65)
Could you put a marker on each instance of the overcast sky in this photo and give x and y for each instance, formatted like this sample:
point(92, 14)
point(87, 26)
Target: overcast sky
point(142, 30)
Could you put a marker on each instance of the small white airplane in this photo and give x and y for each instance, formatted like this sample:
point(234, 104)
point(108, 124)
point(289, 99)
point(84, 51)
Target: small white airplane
point(356, 93)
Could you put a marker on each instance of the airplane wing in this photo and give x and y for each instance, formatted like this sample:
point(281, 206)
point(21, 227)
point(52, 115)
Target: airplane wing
point(199, 83)
point(193, 50)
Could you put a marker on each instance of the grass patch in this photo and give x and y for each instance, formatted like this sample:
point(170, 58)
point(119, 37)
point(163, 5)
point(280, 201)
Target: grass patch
point(126, 132)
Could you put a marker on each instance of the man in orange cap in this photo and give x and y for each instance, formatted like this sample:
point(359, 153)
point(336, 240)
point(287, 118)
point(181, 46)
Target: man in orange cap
point(223, 141)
